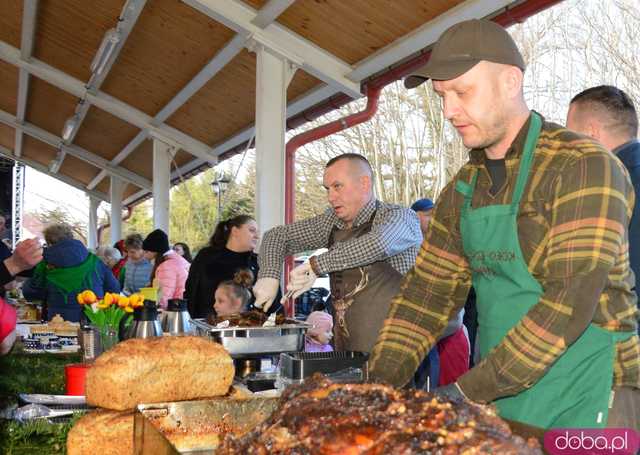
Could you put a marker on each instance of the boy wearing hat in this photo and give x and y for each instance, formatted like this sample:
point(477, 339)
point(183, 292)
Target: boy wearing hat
point(536, 222)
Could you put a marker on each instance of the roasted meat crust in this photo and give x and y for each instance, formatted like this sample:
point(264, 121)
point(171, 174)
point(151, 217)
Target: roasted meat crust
point(321, 417)
point(253, 318)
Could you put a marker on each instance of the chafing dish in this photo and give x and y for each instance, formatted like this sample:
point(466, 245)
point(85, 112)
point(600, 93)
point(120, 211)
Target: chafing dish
point(256, 341)
point(196, 427)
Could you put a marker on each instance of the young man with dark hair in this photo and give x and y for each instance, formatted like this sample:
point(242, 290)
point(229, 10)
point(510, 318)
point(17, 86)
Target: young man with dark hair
point(607, 114)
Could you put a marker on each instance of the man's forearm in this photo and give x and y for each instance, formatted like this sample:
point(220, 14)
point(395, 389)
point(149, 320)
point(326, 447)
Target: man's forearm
point(282, 241)
point(271, 255)
point(528, 350)
point(398, 234)
point(409, 330)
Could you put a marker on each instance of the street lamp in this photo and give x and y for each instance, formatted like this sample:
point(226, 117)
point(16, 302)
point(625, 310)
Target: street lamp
point(219, 186)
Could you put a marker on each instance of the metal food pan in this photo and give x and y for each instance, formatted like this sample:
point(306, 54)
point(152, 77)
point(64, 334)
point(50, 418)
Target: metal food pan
point(301, 365)
point(255, 341)
point(196, 427)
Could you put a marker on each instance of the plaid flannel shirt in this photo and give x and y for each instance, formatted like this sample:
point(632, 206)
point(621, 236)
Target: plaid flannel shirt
point(395, 237)
point(572, 226)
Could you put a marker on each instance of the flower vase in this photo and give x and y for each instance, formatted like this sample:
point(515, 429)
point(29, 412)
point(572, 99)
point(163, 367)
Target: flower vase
point(108, 337)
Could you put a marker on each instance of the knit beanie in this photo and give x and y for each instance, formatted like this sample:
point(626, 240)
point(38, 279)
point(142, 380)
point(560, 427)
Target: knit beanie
point(157, 242)
point(321, 321)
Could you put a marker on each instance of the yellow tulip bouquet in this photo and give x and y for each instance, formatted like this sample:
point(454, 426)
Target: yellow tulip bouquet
point(107, 312)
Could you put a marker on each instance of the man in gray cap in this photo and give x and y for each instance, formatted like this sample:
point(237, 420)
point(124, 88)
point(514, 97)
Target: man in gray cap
point(536, 222)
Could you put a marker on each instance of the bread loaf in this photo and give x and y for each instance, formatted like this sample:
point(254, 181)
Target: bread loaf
point(160, 369)
point(102, 432)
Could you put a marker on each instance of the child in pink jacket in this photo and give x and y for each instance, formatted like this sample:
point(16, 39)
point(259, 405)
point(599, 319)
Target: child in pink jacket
point(170, 269)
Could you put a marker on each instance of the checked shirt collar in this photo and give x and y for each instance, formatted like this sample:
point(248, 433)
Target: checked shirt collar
point(362, 217)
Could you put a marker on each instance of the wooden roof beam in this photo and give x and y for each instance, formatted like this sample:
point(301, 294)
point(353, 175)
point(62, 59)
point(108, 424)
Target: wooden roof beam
point(63, 178)
point(267, 14)
point(106, 102)
point(74, 150)
point(281, 41)
point(312, 98)
point(29, 13)
point(270, 12)
point(389, 55)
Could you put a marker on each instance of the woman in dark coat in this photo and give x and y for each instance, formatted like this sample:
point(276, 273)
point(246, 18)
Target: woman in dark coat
point(231, 248)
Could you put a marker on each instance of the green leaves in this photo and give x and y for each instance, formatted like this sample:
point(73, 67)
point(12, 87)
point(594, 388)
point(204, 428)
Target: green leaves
point(109, 317)
point(37, 436)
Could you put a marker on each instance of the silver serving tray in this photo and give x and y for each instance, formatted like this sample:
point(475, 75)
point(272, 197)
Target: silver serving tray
point(256, 341)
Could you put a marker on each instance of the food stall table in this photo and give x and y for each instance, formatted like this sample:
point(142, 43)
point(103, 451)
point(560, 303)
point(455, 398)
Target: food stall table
point(32, 373)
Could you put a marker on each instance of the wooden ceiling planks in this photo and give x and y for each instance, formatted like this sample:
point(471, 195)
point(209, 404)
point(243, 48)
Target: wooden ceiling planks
point(69, 33)
point(301, 83)
point(104, 186)
point(226, 104)
point(169, 45)
point(140, 160)
point(129, 190)
point(10, 21)
point(255, 4)
point(38, 151)
point(104, 134)
point(7, 136)
point(8, 87)
point(48, 107)
point(352, 30)
point(181, 159)
point(78, 169)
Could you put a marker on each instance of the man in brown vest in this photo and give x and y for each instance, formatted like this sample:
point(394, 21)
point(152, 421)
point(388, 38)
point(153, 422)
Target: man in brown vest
point(371, 245)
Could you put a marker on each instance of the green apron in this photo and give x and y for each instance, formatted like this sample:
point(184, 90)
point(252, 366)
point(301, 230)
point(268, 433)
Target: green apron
point(575, 391)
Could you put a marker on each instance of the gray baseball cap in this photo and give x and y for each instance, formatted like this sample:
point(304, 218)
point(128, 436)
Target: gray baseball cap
point(462, 46)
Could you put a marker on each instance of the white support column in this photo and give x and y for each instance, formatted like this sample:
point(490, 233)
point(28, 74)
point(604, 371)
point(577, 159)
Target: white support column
point(161, 184)
point(93, 222)
point(273, 76)
point(117, 190)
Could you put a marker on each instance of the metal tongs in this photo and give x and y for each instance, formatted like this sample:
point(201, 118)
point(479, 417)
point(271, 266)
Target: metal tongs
point(288, 295)
point(271, 320)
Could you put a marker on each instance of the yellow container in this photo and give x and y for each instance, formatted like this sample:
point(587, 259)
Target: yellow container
point(150, 293)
